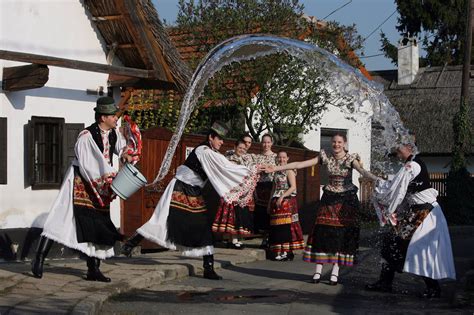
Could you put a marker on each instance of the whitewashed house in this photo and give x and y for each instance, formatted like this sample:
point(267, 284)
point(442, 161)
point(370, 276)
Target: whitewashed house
point(38, 126)
point(427, 100)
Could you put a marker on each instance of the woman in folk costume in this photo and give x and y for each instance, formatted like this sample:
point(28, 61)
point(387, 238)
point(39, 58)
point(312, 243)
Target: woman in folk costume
point(231, 219)
point(80, 216)
point(181, 220)
point(418, 239)
point(335, 236)
point(246, 140)
point(263, 192)
point(286, 235)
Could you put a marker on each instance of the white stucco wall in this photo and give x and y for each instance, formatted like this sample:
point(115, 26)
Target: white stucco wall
point(57, 28)
point(358, 133)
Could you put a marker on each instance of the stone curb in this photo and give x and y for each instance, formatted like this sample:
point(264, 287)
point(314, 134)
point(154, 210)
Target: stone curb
point(93, 303)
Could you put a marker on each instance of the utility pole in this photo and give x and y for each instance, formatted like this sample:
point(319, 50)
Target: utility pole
point(466, 71)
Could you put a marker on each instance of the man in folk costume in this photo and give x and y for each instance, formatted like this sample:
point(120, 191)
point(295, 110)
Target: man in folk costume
point(80, 216)
point(181, 220)
point(418, 241)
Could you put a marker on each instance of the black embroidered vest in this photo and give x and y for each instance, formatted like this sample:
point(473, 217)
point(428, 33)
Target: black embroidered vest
point(193, 162)
point(95, 132)
point(422, 180)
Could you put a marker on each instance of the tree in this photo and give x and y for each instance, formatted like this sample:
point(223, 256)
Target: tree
point(292, 102)
point(460, 184)
point(211, 21)
point(228, 96)
point(441, 23)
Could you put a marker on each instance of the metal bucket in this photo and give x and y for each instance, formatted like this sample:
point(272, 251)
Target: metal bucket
point(128, 181)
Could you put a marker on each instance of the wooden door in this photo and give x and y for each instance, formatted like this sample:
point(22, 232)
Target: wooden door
point(139, 208)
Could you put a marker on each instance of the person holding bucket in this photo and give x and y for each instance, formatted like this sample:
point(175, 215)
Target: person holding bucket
point(181, 220)
point(80, 218)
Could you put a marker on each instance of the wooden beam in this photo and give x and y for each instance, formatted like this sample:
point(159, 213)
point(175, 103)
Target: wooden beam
point(106, 18)
point(24, 77)
point(137, 83)
point(75, 64)
point(149, 49)
point(122, 46)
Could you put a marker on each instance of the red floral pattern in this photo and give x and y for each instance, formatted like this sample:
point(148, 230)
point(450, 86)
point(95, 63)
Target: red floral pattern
point(243, 193)
point(184, 202)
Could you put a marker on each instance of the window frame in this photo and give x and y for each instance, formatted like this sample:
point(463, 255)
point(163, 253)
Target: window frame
point(32, 139)
point(3, 151)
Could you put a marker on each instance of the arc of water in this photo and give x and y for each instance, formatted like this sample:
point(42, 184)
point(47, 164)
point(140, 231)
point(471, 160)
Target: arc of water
point(344, 77)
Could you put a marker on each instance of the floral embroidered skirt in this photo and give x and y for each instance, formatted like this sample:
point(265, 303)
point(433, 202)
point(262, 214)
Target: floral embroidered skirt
point(93, 223)
point(286, 234)
point(335, 235)
point(233, 219)
point(188, 219)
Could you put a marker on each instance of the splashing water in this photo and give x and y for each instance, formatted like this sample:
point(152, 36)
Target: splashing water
point(342, 77)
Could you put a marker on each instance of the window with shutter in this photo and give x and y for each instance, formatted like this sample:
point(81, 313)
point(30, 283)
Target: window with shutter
point(45, 144)
point(326, 144)
point(71, 131)
point(3, 151)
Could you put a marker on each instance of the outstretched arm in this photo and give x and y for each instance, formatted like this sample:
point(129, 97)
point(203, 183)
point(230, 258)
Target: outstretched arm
point(292, 166)
point(363, 172)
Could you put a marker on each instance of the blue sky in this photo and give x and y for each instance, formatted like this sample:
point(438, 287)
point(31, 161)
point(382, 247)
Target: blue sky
point(366, 14)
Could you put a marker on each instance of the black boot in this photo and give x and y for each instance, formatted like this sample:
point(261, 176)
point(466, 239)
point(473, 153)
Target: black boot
point(291, 256)
point(93, 271)
point(132, 242)
point(432, 290)
point(208, 264)
point(44, 246)
point(384, 284)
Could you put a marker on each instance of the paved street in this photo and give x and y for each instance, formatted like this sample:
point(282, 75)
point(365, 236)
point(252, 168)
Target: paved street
point(268, 287)
point(64, 291)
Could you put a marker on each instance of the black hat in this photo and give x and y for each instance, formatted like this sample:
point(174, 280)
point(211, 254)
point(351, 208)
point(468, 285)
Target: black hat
point(220, 128)
point(106, 106)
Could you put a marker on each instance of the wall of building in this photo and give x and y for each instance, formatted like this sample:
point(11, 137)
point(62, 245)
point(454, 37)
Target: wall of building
point(358, 126)
point(55, 28)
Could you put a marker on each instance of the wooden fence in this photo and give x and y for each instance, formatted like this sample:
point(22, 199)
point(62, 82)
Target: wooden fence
point(438, 181)
point(139, 207)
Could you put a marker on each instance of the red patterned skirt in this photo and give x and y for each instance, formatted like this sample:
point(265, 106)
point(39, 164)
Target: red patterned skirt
point(233, 219)
point(286, 234)
point(93, 223)
point(335, 235)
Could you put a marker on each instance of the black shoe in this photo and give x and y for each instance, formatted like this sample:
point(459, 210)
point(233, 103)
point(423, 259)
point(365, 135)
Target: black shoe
point(433, 290)
point(379, 286)
point(431, 294)
point(132, 242)
point(316, 281)
point(291, 256)
point(44, 246)
point(333, 282)
point(93, 271)
point(210, 274)
point(264, 244)
point(208, 264)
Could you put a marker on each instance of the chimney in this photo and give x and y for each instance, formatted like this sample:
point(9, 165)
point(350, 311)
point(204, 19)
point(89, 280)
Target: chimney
point(408, 60)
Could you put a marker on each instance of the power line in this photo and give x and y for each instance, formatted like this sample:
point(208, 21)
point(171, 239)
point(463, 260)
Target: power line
point(380, 25)
point(377, 55)
point(324, 18)
point(371, 56)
